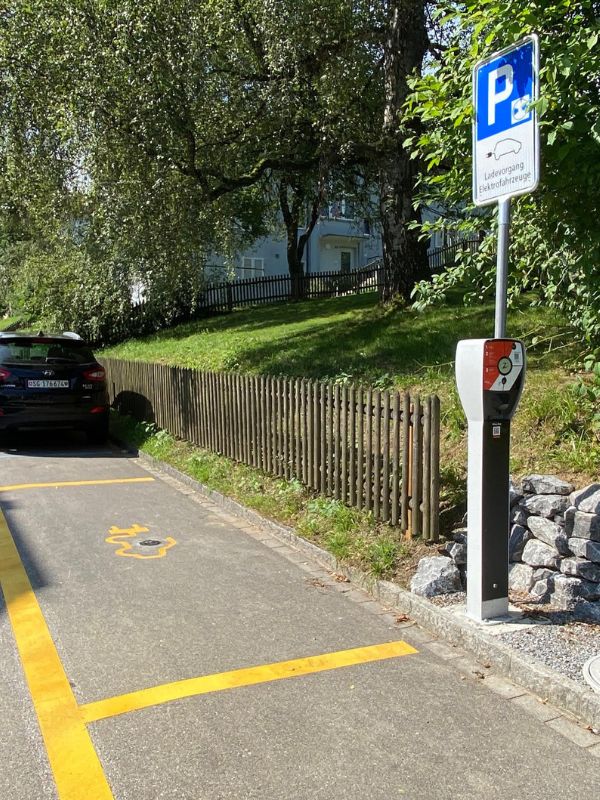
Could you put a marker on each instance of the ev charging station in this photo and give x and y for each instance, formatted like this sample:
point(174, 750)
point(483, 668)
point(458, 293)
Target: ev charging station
point(490, 372)
point(489, 375)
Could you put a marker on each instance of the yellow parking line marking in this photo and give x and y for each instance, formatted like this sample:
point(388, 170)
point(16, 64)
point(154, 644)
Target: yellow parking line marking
point(60, 484)
point(74, 762)
point(250, 676)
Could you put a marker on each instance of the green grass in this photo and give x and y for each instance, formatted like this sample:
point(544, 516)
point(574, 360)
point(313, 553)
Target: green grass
point(6, 321)
point(348, 338)
point(353, 339)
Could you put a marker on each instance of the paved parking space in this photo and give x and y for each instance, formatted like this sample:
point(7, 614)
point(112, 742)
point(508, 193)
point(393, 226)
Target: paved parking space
point(164, 651)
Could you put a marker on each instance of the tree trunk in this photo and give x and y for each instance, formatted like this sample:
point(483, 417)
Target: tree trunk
point(296, 244)
point(404, 256)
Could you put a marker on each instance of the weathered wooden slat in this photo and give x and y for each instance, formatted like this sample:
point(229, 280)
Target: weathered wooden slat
point(337, 440)
point(415, 504)
point(360, 445)
point(330, 445)
point(426, 468)
point(344, 435)
point(406, 458)
point(298, 428)
point(395, 454)
point(304, 434)
point(434, 479)
point(377, 454)
point(352, 446)
point(316, 446)
point(369, 452)
point(279, 427)
point(385, 455)
point(274, 427)
point(323, 438)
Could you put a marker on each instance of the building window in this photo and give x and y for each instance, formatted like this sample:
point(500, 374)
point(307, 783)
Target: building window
point(340, 209)
point(252, 267)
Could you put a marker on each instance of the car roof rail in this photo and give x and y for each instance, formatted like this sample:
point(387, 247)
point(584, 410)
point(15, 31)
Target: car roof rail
point(72, 335)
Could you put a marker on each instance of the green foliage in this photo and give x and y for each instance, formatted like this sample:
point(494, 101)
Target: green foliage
point(63, 290)
point(384, 555)
point(555, 247)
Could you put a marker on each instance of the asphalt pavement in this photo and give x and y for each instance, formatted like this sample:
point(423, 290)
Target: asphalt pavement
point(152, 646)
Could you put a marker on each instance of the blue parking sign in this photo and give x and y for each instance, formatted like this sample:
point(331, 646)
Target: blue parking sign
point(505, 130)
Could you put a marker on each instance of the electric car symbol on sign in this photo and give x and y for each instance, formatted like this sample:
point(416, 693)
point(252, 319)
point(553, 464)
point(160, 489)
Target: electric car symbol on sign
point(504, 147)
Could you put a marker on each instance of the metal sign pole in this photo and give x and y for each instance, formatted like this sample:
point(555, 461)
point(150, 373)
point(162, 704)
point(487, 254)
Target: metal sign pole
point(502, 267)
point(490, 372)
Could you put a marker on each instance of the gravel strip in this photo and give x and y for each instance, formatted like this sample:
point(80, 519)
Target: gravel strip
point(564, 647)
point(453, 599)
point(561, 643)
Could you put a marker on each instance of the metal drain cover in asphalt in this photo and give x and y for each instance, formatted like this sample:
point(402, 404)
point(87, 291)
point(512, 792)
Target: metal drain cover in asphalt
point(591, 672)
point(150, 542)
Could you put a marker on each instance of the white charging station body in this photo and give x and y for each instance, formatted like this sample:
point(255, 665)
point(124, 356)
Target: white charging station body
point(489, 376)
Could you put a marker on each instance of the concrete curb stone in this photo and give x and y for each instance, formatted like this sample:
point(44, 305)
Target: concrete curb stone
point(550, 686)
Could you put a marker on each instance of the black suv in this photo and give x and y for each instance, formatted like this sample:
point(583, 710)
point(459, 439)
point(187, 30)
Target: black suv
point(51, 381)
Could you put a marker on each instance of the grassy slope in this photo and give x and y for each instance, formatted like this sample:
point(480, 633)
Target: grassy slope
point(6, 321)
point(350, 338)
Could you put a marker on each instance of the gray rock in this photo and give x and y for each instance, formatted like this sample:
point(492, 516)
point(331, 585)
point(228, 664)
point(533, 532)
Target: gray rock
point(585, 548)
point(546, 484)
point(520, 578)
point(569, 520)
point(519, 515)
point(543, 574)
point(589, 612)
point(514, 495)
point(585, 526)
point(519, 536)
point(566, 592)
point(549, 532)
point(457, 552)
point(539, 554)
point(540, 590)
point(460, 535)
point(436, 575)
point(581, 568)
point(590, 590)
point(584, 494)
point(546, 505)
point(590, 504)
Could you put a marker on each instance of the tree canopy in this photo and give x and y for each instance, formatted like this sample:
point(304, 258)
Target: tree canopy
point(138, 137)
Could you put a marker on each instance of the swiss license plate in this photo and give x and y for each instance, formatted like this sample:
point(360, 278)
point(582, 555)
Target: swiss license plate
point(47, 384)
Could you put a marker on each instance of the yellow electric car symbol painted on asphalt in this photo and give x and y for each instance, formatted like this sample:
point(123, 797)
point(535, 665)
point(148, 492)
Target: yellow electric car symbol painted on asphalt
point(132, 542)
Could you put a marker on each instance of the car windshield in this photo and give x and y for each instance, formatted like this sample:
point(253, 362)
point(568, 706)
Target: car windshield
point(44, 351)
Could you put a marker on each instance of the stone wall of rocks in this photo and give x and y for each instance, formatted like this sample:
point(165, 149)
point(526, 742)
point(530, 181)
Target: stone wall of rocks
point(554, 548)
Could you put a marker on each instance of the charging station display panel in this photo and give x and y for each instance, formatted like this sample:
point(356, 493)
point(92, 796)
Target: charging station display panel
point(503, 373)
point(502, 364)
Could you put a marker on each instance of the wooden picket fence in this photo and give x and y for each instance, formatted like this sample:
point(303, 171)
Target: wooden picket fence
point(371, 449)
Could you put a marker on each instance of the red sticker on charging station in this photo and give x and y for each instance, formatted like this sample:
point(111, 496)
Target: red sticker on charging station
point(502, 364)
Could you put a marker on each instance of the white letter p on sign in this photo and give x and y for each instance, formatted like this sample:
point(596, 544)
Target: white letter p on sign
point(495, 97)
